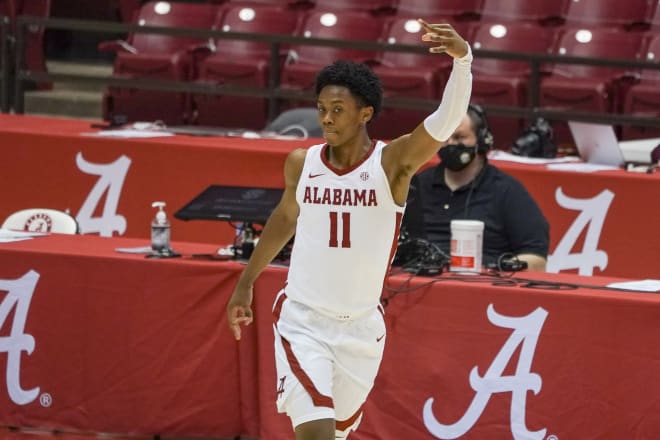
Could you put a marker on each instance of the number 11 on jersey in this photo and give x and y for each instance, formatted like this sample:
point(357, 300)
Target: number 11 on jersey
point(345, 229)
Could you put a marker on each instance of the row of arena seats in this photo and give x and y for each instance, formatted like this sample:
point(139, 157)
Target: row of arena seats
point(409, 75)
point(628, 14)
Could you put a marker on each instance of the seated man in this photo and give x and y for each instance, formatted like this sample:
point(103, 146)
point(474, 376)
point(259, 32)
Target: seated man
point(465, 186)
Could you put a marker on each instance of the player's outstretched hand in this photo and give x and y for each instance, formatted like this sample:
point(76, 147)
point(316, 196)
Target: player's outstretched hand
point(444, 38)
point(238, 310)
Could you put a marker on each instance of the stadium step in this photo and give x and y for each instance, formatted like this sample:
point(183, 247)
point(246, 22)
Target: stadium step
point(70, 98)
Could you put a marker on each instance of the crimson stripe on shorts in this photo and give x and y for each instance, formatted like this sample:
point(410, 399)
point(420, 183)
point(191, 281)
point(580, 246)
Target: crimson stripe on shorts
point(318, 398)
point(277, 310)
point(343, 425)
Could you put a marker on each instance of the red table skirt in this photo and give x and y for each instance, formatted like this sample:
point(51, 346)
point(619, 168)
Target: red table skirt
point(93, 340)
point(603, 223)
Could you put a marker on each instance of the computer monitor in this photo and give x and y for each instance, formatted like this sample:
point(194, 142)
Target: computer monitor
point(232, 203)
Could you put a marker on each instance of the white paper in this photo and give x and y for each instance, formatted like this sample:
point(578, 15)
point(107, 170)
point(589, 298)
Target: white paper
point(647, 285)
point(13, 239)
point(135, 250)
point(503, 155)
point(130, 133)
point(8, 235)
point(582, 167)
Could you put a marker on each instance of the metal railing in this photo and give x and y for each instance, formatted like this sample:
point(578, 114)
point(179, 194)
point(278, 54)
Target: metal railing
point(274, 93)
point(4, 63)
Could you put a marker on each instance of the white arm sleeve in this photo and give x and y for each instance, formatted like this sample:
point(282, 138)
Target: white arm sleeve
point(455, 99)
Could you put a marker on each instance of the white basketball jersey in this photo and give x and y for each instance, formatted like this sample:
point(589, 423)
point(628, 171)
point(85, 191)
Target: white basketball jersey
point(346, 234)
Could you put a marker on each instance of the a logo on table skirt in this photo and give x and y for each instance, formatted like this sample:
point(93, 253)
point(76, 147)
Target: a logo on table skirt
point(111, 180)
point(18, 297)
point(39, 222)
point(591, 218)
point(526, 331)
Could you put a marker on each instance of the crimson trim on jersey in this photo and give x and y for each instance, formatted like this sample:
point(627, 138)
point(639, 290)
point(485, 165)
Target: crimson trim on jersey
point(343, 425)
point(339, 172)
point(395, 239)
point(317, 398)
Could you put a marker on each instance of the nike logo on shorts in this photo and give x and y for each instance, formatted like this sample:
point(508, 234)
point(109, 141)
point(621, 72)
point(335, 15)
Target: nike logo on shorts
point(378, 339)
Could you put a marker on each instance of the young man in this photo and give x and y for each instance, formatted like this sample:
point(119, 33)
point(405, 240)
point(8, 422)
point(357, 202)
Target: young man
point(344, 201)
point(465, 186)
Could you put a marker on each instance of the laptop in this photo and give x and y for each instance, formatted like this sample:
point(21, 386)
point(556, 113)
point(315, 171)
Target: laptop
point(596, 143)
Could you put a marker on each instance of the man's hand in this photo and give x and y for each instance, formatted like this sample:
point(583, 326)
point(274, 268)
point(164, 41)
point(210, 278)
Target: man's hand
point(238, 309)
point(447, 39)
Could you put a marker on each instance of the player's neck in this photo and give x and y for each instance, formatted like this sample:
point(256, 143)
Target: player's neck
point(349, 153)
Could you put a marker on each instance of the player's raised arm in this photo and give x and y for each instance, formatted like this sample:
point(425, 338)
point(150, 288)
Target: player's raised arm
point(408, 153)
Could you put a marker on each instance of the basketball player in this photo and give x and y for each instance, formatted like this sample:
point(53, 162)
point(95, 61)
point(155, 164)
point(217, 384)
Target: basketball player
point(344, 201)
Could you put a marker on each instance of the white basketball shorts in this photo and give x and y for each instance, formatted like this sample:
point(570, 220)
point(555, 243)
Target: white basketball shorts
point(326, 366)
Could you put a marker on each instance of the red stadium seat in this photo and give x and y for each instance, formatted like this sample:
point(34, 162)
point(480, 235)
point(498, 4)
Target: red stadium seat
point(241, 63)
point(505, 82)
point(373, 6)
point(157, 56)
point(655, 17)
point(7, 8)
point(409, 75)
point(544, 12)
point(127, 9)
point(589, 88)
point(440, 8)
point(643, 98)
point(608, 12)
point(34, 36)
point(306, 60)
point(276, 3)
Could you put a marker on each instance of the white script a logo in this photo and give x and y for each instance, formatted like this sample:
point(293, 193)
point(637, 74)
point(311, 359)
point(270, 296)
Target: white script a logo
point(526, 331)
point(19, 295)
point(592, 217)
point(111, 179)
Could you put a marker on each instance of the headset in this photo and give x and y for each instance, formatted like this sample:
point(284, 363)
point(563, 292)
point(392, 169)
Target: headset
point(485, 141)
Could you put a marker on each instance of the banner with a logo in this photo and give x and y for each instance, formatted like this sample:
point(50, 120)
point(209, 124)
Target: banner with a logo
point(472, 361)
point(93, 340)
point(603, 223)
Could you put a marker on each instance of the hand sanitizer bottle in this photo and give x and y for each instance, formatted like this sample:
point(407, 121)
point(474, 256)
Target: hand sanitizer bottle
point(160, 230)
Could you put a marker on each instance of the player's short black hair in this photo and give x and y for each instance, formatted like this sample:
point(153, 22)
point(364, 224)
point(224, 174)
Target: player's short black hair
point(358, 78)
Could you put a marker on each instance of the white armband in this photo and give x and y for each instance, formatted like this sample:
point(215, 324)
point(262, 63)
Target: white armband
point(455, 100)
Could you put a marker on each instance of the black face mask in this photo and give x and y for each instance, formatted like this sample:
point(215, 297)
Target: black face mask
point(457, 156)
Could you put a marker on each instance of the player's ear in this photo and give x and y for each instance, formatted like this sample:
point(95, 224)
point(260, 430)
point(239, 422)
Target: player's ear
point(366, 113)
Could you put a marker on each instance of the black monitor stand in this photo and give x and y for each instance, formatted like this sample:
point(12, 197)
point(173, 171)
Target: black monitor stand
point(246, 207)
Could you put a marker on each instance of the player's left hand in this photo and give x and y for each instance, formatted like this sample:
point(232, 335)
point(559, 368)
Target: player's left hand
point(446, 38)
point(239, 311)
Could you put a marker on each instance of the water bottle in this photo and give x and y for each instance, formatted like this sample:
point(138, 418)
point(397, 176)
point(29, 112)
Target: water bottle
point(160, 230)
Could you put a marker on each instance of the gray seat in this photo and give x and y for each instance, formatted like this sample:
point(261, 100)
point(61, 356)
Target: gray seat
point(302, 121)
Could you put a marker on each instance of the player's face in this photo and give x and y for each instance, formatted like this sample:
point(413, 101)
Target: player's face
point(340, 115)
